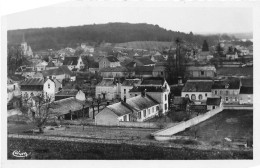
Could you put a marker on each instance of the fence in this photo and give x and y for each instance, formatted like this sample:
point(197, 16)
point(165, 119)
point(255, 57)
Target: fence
point(165, 134)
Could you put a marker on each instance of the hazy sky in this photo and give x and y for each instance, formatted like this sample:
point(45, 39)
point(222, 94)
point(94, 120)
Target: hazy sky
point(184, 19)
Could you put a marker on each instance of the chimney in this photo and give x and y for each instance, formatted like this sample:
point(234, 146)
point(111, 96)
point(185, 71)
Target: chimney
point(143, 93)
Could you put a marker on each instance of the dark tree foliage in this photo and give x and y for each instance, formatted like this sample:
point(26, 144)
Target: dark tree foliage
point(56, 38)
point(205, 46)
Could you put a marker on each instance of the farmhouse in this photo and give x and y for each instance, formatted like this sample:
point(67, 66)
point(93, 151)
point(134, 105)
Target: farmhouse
point(109, 61)
point(197, 90)
point(139, 108)
point(213, 103)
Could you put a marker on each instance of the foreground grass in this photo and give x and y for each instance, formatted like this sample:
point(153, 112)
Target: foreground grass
point(47, 149)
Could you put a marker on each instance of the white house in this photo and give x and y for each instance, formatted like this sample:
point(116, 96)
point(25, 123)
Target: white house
point(74, 63)
point(108, 89)
point(127, 85)
point(49, 89)
point(41, 66)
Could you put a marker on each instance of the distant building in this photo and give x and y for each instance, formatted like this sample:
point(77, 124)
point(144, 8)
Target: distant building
point(74, 63)
point(41, 66)
point(60, 73)
point(144, 61)
point(201, 71)
point(13, 90)
point(87, 48)
point(127, 85)
point(26, 49)
point(232, 55)
point(135, 109)
point(111, 72)
point(109, 61)
point(108, 89)
point(246, 95)
point(197, 90)
point(51, 65)
point(213, 103)
point(66, 93)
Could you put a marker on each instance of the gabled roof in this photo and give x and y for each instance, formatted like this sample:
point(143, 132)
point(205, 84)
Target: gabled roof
point(246, 90)
point(131, 82)
point(70, 61)
point(114, 69)
point(144, 60)
point(32, 81)
point(148, 89)
point(197, 86)
point(141, 102)
point(59, 71)
point(112, 59)
point(106, 82)
point(153, 81)
point(120, 109)
point(229, 83)
point(213, 101)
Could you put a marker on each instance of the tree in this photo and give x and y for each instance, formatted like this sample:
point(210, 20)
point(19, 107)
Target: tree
point(205, 46)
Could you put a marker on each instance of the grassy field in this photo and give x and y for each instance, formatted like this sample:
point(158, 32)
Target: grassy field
point(236, 125)
point(43, 149)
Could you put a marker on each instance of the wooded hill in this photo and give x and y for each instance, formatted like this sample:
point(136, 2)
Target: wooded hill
point(56, 38)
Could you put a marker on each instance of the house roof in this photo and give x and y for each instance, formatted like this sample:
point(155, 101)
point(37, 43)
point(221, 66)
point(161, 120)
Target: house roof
point(59, 71)
point(141, 102)
point(67, 92)
point(232, 83)
point(248, 82)
point(153, 81)
point(144, 60)
point(131, 82)
point(148, 89)
point(70, 61)
point(180, 100)
point(197, 86)
point(130, 64)
point(50, 64)
point(144, 70)
point(16, 77)
point(202, 68)
point(32, 81)
point(213, 101)
point(246, 90)
point(64, 106)
point(120, 109)
point(112, 59)
point(114, 69)
point(106, 82)
point(159, 68)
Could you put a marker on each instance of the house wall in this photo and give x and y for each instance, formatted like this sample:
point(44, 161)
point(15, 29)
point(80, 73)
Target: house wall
point(205, 95)
point(106, 117)
point(122, 117)
point(200, 74)
point(246, 99)
point(111, 92)
point(113, 74)
point(103, 63)
point(126, 93)
point(229, 96)
point(80, 64)
point(148, 113)
point(49, 89)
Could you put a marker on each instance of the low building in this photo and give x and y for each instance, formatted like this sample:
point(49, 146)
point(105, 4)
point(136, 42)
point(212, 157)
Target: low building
point(197, 90)
point(227, 89)
point(231, 55)
point(109, 61)
point(74, 63)
point(213, 103)
point(144, 61)
point(246, 95)
point(112, 72)
point(143, 71)
point(60, 73)
point(127, 85)
point(108, 89)
point(66, 93)
point(41, 66)
point(201, 71)
point(51, 65)
point(181, 103)
point(135, 109)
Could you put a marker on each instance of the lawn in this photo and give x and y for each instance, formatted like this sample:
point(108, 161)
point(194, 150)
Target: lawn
point(236, 125)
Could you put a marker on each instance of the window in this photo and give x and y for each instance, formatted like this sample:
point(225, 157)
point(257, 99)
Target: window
point(149, 111)
point(157, 108)
point(153, 110)
point(165, 97)
point(125, 118)
point(144, 113)
point(213, 107)
point(49, 86)
point(226, 99)
point(216, 92)
point(202, 73)
point(14, 87)
point(193, 97)
point(124, 91)
point(206, 94)
point(135, 94)
point(187, 96)
point(200, 97)
point(165, 106)
point(161, 73)
point(139, 115)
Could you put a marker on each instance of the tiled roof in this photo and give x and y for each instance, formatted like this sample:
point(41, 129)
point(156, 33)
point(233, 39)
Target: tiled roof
point(213, 101)
point(141, 102)
point(50, 64)
point(144, 70)
point(153, 81)
point(114, 69)
point(232, 83)
point(58, 71)
point(131, 82)
point(130, 64)
point(201, 68)
point(246, 90)
point(120, 109)
point(112, 59)
point(197, 86)
point(67, 92)
point(32, 81)
point(148, 89)
point(106, 82)
point(144, 60)
point(70, 61)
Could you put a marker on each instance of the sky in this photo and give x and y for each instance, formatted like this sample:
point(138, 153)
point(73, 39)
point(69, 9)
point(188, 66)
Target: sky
point(184, 19)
